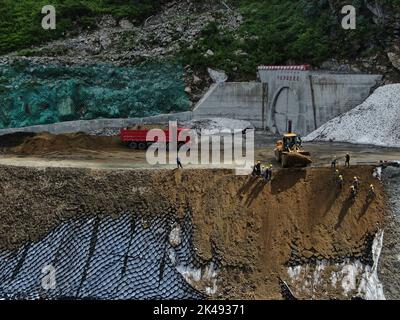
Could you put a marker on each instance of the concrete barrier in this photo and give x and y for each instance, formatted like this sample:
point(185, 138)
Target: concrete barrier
point(97, 124)
point(233, 100)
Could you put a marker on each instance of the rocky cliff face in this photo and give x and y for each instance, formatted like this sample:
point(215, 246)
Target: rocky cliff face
point(176, 27)
point(379, 24)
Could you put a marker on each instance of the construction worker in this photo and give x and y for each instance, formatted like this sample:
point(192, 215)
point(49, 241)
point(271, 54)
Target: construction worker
point(371, 192)
point(179, 163)
point(270, 172)
point(340, 182)
point(353, 192)
point(258, 168)
point(356, 183)
point(334, 163)
point(347, 160)
point(263, 172)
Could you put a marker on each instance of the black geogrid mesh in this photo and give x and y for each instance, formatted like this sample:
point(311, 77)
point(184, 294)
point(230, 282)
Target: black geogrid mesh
point(124, 258)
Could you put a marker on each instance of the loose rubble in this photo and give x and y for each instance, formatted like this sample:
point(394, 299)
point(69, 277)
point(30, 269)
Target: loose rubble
point(375, 122)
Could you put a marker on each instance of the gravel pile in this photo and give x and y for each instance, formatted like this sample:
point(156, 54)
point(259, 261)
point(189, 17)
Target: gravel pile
point(215, 126)
point(374, 122)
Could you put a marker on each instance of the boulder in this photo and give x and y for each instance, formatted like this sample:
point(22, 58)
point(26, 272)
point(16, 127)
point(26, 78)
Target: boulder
point(196, 79)
point(394, 57)
point(209, 53)
point(125, 24)
point(218, 76)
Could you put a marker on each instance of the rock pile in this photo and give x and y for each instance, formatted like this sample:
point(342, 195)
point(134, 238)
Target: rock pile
point(374, 122)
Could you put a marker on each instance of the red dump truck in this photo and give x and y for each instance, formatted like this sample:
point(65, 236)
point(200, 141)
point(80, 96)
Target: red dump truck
point(137, 138)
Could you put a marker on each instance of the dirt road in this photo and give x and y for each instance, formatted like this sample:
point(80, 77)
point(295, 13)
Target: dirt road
point(83, 151)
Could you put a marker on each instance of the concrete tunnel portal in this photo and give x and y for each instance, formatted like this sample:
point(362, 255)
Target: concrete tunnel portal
point(307, 98)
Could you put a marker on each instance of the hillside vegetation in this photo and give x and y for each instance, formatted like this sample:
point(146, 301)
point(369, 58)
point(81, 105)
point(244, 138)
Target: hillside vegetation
point(286, 31)
point(271, 31)
point(20, 25)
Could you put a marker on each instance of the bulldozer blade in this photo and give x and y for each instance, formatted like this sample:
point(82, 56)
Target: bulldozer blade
point(290, 160)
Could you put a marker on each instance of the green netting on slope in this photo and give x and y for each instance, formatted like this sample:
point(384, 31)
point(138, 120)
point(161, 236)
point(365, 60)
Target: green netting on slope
point(32, 94)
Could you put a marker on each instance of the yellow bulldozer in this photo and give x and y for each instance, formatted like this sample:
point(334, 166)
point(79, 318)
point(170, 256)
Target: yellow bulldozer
point(289, 151)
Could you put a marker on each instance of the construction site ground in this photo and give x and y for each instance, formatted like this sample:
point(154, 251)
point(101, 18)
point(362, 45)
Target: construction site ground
point(84, 151)
point(257, 229)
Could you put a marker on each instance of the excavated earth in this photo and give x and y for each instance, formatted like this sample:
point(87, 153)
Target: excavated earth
point(249, 232)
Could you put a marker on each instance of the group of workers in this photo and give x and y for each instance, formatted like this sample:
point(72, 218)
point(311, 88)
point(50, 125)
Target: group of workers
point(264, 172)
point(335, 161)
point(356, 185)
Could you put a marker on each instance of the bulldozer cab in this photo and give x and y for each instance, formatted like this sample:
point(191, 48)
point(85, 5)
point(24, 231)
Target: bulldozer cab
point(291, 142)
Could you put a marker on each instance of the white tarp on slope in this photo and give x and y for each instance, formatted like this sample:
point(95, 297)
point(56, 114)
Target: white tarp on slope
point(375, 122)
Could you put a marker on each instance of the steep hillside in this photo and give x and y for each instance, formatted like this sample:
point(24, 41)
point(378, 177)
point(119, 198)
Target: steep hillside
point(21, 23)
point(43, 80)
point(255, 232)
point(234, 35)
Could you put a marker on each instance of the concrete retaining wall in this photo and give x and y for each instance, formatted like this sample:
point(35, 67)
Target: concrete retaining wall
point(308, 99)
point(233, 100)
point(336, 94)
point(97, 124)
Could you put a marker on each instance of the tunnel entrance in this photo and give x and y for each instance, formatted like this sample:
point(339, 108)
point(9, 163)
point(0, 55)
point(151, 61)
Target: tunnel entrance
point(287, 107)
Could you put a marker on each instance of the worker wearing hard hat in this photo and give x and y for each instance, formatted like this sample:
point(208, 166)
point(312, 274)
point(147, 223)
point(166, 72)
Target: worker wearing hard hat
point(258, 168)
point(270, 172)
point(356, 183)
point(340, 181)
point(353, 192)
point(371, 192)
point(334, 163)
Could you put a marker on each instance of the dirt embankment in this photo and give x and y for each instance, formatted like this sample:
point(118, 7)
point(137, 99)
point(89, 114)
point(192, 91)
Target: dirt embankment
point(254, 227)
point(47, 144)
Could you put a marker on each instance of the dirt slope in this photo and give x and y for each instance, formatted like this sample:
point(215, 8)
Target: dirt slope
point(45, 143)
point(253, 226)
